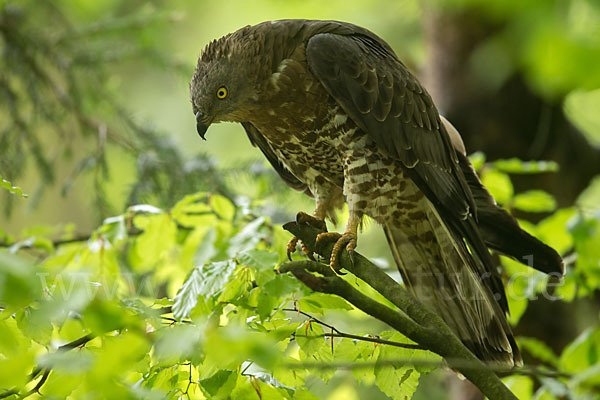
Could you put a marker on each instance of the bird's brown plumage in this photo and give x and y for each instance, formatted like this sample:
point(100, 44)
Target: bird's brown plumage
point(341, 118)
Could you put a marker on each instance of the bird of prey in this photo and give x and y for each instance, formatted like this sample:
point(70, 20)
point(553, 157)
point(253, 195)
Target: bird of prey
point(340, 117)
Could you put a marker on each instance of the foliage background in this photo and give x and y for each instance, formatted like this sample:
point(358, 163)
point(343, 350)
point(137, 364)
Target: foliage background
point(95, 120)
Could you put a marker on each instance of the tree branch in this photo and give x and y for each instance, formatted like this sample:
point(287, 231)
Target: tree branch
point(34, 374)
point(413, 319)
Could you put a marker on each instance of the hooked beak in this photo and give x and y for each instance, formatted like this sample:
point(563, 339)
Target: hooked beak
point(200, 127)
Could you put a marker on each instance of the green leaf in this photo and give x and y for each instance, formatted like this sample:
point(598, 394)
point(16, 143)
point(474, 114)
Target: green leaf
point(590, 376)
point(317, 302)
point(553, 230)
point(199, 247)
point(220, 385)
point(281, 285)
point(304, 394)
point(227, 347)
point(538, 349)
point(581, 106)
point(178, 343)
point(269, 392)
point(206, 280)
point(222, 207)
point(20, 282)
point(164, 302)
point(245, 390)
point(248, 237)
point(236, 287)
point(534, 201)
point(521, 386)
point(141, 310)
point(206, 250)
point(551, 389)
point(586, 233)
point(266, 304)
point(104, 316)
point(477, 159)
point(309, 337)
point(204, 310)
point(117, 355)
point(34, 326)
point(346, 350)
point(398, 383)
point(499, 185)
point(73, 362)
point(14, 371)
point(583, 352)
point(193, 210)
point(157, 239)
point(11, 188)
point(259, 259)
point(61, 384)
point(12, 341)
point(516, 166)
point(284, 332)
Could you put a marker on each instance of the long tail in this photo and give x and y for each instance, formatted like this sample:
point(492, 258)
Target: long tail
point(502, 233)
point(441, 272)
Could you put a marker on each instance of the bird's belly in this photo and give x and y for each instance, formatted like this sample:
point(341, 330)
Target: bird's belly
point(332, 151)
point(316, 163)
point(379, 187)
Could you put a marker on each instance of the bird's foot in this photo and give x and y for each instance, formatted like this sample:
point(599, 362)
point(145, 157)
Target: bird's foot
point(347, 241)
point(304, 218)
point(291, 248)
point(312, 220)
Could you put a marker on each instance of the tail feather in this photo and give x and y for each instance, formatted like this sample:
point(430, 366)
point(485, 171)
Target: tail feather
point(441, 272)
point(502, 233)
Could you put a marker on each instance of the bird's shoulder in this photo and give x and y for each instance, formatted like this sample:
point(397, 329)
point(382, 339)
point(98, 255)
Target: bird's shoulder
point(279, 39)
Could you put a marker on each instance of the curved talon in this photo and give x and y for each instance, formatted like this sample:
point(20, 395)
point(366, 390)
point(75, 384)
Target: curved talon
point(306, 251)
point(291, 247)
point(348, 239)
point(351, 254)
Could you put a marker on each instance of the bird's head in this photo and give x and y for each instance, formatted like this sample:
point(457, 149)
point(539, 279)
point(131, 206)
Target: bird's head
point(223, 87)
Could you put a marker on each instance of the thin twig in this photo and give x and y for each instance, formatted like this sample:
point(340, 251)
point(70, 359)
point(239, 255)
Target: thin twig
point(337, 333)
point(36, 371)
point(367, 339)
point(39, 385)
point(173, 321)
point(312, 318)
point(8, 393)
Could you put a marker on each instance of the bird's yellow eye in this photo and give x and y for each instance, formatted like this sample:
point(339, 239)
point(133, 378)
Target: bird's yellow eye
point(222, 92)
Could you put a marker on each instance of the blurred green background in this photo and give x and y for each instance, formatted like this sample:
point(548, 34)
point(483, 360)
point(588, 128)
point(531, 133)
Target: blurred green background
point(96, 114)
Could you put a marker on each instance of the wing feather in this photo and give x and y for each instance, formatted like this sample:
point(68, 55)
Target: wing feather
point(387, 102)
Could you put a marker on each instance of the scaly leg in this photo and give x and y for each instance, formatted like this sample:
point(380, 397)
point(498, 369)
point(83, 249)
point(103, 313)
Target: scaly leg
point(346, 240)
point(317, 220)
